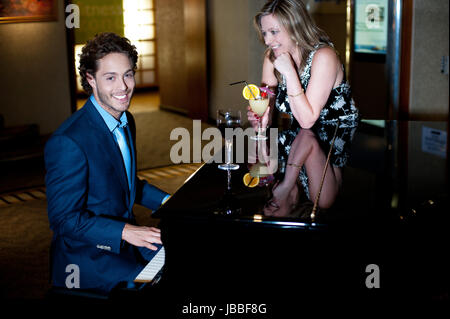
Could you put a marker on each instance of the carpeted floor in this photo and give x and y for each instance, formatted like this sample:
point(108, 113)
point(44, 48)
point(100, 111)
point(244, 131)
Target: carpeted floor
point(25, 239)
point(153, 136)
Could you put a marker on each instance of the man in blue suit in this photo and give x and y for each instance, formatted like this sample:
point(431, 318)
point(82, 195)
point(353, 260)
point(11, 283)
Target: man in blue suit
point(91, 178)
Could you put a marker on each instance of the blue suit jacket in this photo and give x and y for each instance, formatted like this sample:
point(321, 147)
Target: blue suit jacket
point(89, 202)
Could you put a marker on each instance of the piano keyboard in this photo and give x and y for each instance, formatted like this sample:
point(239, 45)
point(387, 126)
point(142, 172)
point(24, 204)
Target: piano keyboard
point(153, 267)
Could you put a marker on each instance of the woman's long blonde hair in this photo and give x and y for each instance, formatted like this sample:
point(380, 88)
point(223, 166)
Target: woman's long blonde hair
point(294, 17)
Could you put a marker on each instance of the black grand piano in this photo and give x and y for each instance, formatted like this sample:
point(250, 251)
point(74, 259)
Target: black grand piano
point(350, 214)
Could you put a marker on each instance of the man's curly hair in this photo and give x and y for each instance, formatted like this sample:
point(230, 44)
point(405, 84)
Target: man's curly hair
point(98, 47)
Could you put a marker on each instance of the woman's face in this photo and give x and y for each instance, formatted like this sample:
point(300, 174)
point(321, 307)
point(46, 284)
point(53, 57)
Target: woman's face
point(276, 37)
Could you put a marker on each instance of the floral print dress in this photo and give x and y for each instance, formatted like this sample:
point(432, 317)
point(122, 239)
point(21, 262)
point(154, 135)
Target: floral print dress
point(339, 110)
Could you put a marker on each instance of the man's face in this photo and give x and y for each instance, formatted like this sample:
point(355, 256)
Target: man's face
point(113, 84)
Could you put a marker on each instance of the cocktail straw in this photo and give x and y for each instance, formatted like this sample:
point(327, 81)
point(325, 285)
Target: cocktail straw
point(246, 84)
point(239, 82)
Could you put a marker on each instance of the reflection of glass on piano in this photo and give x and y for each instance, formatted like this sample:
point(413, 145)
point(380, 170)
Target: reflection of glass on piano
point(313, 162)
point(262, 163)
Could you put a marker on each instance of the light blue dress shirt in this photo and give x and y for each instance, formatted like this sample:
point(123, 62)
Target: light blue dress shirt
point(110, 121)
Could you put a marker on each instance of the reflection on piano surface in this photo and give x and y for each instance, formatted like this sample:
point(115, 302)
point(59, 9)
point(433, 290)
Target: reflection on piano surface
point(225, 240)
point(312, 162)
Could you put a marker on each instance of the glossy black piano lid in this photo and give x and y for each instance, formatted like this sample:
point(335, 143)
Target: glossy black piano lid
point(390, 211)
point(388, 170)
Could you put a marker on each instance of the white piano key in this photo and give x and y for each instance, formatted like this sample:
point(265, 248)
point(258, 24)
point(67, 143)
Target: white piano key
point(153, 267)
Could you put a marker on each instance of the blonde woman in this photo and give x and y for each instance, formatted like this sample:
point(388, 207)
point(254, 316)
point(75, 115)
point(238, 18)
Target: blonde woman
point(302, 67)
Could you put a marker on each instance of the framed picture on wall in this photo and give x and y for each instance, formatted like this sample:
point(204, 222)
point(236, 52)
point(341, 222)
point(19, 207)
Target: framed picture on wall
point(27, 10)
point(371, 25)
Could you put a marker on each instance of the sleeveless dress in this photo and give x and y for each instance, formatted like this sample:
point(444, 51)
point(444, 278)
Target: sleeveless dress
point(339, 110)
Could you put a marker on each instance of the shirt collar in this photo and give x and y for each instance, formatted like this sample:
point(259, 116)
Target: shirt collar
point(110, 121)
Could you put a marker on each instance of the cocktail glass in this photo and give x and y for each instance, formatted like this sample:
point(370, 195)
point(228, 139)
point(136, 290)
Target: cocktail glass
point(259, 106)
point(228, 119)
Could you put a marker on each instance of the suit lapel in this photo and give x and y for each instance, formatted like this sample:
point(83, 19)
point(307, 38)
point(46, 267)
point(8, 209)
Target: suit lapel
point(133, 163)
point(107, 144)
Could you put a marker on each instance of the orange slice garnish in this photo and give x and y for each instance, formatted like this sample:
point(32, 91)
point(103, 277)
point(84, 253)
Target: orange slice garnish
point(250, 181)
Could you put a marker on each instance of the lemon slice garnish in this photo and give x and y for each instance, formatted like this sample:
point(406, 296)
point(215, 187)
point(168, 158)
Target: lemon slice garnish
point(248, 90)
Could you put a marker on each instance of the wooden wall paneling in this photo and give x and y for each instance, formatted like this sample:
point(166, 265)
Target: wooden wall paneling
point(196, 58)
point(169, 15)
point(182, 57)
point(70, 44)
point(405, 67)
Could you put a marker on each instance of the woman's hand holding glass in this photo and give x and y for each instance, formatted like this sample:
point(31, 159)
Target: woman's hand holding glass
point(253, 118)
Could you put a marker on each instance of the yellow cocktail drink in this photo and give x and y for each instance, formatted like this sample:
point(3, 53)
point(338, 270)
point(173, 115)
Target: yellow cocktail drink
point(259, 106)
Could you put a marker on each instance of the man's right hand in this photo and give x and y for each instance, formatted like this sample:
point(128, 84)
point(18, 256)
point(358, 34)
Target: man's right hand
point(142, 236)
